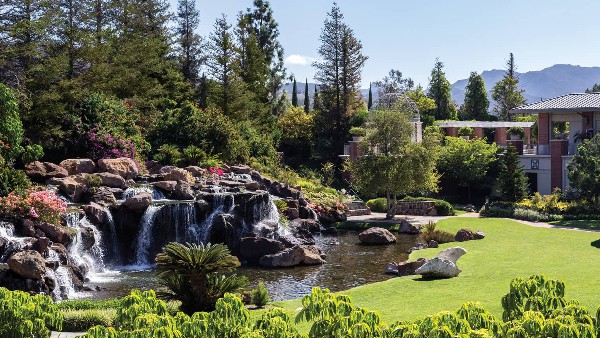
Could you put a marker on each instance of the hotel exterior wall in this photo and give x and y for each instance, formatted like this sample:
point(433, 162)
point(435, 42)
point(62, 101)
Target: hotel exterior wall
point(542, 171)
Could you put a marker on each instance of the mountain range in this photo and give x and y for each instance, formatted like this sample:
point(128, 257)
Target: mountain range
point(549, 82)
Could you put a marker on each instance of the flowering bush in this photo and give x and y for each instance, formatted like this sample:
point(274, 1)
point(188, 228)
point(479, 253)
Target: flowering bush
point(215, 171)
point(42, 205)
point(106, 145)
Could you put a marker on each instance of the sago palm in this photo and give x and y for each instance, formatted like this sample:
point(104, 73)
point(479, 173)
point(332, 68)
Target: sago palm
point(193, 273)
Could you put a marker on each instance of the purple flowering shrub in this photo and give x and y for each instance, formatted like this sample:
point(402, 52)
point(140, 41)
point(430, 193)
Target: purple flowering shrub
point(106, 145)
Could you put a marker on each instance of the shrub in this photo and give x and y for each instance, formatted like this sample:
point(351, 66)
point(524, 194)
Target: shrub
point(35, 204)
point(466, 131)
point(281, 205)
point(516, 131)
point(85, 304)
point(440, 236)
point(93, 181)
point(12, 179)
point(82, 320)
point(11, 128)
point(357, 131)
point(32, 153)
point(378, 204)
point(193, 155)
point(168, 154)
point(260, 295)
point(23, 315)
point(550, 204)
point(442, 207)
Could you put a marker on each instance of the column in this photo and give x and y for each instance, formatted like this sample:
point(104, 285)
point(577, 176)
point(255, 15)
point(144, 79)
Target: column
point(558, 148)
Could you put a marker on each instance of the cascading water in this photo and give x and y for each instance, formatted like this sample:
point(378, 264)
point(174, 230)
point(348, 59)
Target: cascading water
point(13, 244)
point(268, 220)
point(157, 195)
point(92, 256)
point(64, 288)
point(114, 241)
point(145, 238)
point(200, 233)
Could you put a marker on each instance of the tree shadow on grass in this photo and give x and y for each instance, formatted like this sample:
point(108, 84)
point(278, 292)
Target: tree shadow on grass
point(596, 244)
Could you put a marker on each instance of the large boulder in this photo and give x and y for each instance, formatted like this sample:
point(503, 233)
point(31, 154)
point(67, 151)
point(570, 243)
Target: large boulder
point(123, 166)
point(305, 226)
point(87, 237)
point(73, 187)
point(103, 196)
point(112, 180)
point(42, 171)
point(407, 228)
point(377, 236)
point(78, 166)
point(57, 234)
point(438, 268)
point(166, 186)
point(153, 167)
point(195, 171)
point(240, 169)
point(291, 213)
point(28, 264)
point(464, 235)
point(183, 191)
point(179, 174)
point(404, 268)
point(253, 248)
point(307, 255)
point(452, 254)
point(139, 202)
point(479, 235)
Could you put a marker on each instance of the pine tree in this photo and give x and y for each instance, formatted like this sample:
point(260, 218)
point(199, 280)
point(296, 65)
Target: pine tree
point(512, 179)
point(221, 65)
point(316, 99)
point(306, 97)
point(476, 101)
point(506, 92)
point(189, 42)
point(203, 92)
point(370, 102)
point(294, 94)
point(439, 91)
point(339, 75)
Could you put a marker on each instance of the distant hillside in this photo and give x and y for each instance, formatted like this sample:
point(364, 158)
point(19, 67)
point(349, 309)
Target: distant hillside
point(546, 83)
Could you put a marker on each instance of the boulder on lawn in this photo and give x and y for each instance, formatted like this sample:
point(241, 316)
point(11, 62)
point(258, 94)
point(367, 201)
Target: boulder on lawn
point(112, 180)
point(452, 254)
point(28, 264)
point(139, 202)
point(78, 166)
point(464, 235)
point(404, 268)
point(253, 248)
point(479, 235)
point(433, 244)
point(406, 227)
point(42, 171)
point(438, 268)
point(122, 166)
point(377, 236)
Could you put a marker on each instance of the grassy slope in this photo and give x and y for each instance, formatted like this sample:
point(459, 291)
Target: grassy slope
point(509, 250)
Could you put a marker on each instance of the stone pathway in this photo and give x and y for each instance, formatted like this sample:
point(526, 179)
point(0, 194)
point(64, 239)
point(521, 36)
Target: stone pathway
point(379, 217)
point(65, 334)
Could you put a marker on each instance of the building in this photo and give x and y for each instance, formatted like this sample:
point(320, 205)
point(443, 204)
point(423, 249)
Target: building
point(579, 116)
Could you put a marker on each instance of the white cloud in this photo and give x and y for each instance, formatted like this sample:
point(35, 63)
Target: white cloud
point(296, 59)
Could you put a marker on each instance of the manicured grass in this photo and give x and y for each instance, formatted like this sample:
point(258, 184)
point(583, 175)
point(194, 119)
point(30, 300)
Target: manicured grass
point(582, 224)
point(509, 250)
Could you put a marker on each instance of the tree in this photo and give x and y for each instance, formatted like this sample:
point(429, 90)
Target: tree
point(193, 273)
point(297, 132)
point(439, 91)
point(339, 75)
point(512, 179)
point(306, 97)
point(394, 83)
point(506, 92)
point(466, 162)
point(425, 105)
point(595, 88)
point(391, 164)
point(189, 42)
point(584, 169)
point(11, 128)
point(476, 100)
point(316, 99)
point(370, 101)
point(295, 95)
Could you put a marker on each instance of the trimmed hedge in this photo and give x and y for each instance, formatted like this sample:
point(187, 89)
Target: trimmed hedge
point(442, 207)
point(82, 320)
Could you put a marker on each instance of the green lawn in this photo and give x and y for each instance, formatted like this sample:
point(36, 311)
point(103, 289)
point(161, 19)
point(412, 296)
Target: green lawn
point(582, 224)
point(509, 250)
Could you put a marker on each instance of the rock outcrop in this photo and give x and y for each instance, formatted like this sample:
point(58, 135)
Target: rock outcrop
point(43, 171)
point(79, 166)
point(123, 166)
point(297, 255)
point(139, 202)
point(442, 266)
point(28, 264)
point(407, 228)
point(377, 236)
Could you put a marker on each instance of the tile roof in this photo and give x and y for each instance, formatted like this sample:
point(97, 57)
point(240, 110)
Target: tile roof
point(576, 102)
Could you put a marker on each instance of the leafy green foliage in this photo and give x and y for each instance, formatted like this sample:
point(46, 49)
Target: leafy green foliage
point(32, 153)
point(443, 208)
point(168, 154)
point(11, 128)
point(506, 92)
point(378, 204)
point(516, 131)
point(536, 293)
point(12, 179)
point(476, 100)
point(439, 91)
point(440, 236)
point(82, 320)
point(260, 295)
point(466, 131)
point(584, 169)
point(193, 273)
point(23, 315)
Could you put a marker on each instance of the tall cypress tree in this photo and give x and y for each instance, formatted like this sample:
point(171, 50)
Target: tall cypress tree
point(512, 179)
point(439, 91)
point(316, 99)
point(370, 102)
point(306, 97)
point(476, 101)
point(294, 95)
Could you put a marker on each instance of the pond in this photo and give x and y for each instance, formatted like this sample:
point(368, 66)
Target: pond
point(349, 264)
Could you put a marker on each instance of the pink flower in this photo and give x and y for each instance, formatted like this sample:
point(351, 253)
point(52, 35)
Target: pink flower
point(32, 213)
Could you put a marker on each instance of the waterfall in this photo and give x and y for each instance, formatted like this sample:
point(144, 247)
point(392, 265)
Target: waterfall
point(157, 195)
point(144, 240)
point(13, 244)
point(114, 240)
point(63, 288)
point(267, 221)
point(93, 257)
point(201, 232)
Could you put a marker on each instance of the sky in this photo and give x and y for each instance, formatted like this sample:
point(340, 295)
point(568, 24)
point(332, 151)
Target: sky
point(466, 35)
